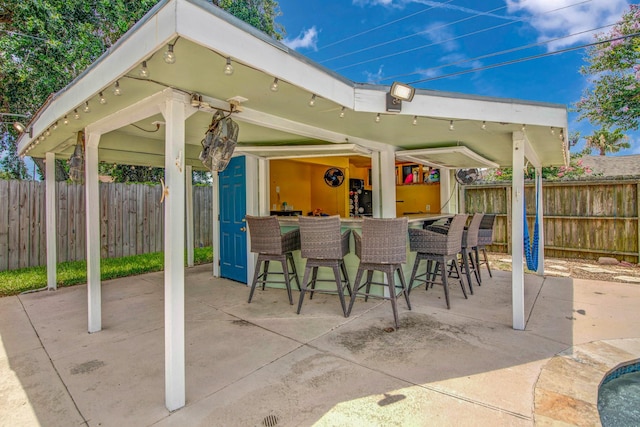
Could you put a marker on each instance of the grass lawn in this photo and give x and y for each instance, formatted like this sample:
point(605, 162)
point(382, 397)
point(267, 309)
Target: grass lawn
point(14, 282)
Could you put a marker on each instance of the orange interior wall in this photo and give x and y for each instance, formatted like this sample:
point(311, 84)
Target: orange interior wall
point(415, 198)
point(294, 179)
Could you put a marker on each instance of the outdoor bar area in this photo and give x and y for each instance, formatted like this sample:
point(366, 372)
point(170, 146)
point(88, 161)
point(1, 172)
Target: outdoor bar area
point(363, 175)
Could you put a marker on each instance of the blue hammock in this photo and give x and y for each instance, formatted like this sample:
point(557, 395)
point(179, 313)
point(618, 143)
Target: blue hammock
point(531, 252)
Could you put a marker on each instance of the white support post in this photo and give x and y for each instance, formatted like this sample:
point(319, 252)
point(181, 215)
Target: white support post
point(50, 188)
point(215, 218)
point(388, 183)
point(174, 225)
point(92, 197)
point(263, 187)
point(375, 185)
point(189, 213)
point(448, 203)
point(540, 215)
point(517, 237)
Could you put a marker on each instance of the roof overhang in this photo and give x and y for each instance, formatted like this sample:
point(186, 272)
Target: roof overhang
point(204, 37)
point(446, 157)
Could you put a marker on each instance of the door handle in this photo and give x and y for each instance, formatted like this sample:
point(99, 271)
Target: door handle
point(243, 229)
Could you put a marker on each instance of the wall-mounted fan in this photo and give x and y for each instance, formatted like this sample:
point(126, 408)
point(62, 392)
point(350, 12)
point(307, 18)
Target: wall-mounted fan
point(334, 177)
point(467, 176)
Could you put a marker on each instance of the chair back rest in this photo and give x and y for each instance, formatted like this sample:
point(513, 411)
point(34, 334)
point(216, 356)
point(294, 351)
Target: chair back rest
point(485, 234)
point(384, 240)
point(471, 233)
point(454, 237)
point(265, 235)
point(320, 237)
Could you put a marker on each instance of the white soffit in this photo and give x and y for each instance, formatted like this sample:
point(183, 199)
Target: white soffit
point(447, 157)
point(302, 151)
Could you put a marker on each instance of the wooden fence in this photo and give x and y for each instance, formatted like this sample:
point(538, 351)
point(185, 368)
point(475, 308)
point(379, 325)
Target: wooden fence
point(582, 219)
point(131, 221)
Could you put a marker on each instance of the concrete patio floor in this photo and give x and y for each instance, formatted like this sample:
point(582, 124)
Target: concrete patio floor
point(261, 364)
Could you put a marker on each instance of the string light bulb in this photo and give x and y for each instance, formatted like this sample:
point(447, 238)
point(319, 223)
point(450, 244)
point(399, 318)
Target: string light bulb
point(228, 69)
point(553, 131)
point(116, 89)
point(86, 108)
point(144, 71)
point(378, 118)
point(103, 100)
point(65, 120)
point(169, 56)
point(524, 128)
point(312, 101)
point(451, 125)
point(484, 125)
point(342, 112)
point(55, 126)
point(75, 114)
point(47, 132)
point(415, 121)
point(274, 85)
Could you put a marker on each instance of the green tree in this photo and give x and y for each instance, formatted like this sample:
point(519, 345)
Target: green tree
point(45, 44)
point(613, 98)
point(606, 141)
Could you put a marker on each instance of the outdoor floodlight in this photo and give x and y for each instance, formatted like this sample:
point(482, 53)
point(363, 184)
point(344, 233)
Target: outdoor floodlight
point(399, 92)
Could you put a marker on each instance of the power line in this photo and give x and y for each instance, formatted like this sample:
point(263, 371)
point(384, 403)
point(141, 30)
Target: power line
point(502, 52)
point(528, 58)
point(409, 36)
point(453, 38)
point(381, 26)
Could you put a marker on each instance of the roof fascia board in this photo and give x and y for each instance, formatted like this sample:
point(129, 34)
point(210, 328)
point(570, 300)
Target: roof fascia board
point(138, 43)
point(464, 108)
point(271, 57)
point(279, 152)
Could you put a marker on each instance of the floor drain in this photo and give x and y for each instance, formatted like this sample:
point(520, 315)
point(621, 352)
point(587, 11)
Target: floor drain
point(270, 421)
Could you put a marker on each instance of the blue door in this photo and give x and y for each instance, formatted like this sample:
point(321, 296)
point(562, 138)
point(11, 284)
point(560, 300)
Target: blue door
point(233, 236)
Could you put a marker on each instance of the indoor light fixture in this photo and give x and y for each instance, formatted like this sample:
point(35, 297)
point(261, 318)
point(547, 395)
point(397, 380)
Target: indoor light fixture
point(228, 69)
point(75, 114)
point(274, 85)
point(451, 125)
point(86, 109)
point(169, 56)
point(312, 101)
point(103, 100)
point(116, 89)
point(144, 71)
point(378, 118)
point(415, 120)
point(399, 92)
point(342, 111)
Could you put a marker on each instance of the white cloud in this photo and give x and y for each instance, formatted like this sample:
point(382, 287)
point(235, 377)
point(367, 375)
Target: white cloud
point(432, 4)
point(307, 39)
point(374, 78)
point(568, 20)
point(438, 33)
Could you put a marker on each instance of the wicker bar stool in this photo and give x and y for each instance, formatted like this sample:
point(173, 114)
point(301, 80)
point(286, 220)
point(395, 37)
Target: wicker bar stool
point(485, 237)
point(272, 245)
point(382, 247)
point(441, 247)
point(323, 245)
point(469, 262)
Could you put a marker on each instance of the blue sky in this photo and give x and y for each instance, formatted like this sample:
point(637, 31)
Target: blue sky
point(435, 44)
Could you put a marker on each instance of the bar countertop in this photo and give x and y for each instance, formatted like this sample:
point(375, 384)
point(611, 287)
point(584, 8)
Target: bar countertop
point(357, 222)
